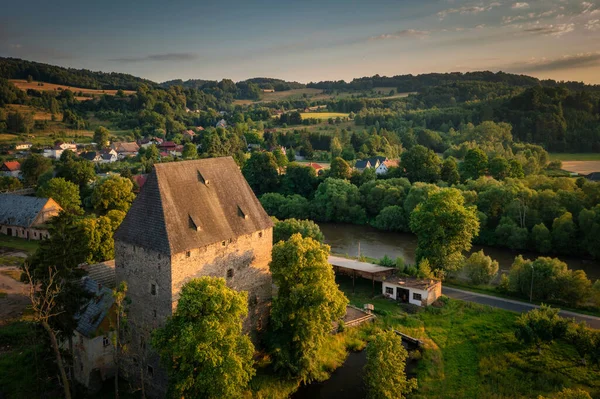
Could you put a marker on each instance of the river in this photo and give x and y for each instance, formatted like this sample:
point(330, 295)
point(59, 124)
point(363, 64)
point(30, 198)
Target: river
point(345, 239)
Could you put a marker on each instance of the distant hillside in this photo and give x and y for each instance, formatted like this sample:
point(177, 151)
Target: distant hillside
point(13, 68)
point(410, 83)
point(262, 83)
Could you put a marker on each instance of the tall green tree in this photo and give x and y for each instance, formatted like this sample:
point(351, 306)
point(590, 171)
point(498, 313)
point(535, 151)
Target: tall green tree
point(101, 137)
point(384, 372)
point(445, 228)
point(299, 179)
point(307, 302)
point(202, 346)
point(480, 268)
point(63, 192)
point(421, 164)
point(33, 167)
point(284, 229)
point(449, 172)
point(113, 193)
point(499, 168)
point(261, 172)
point(338, 200)
point(564, 234)
point(474, 165)
point(340, 169)
point(189, 151)
point(542, 238)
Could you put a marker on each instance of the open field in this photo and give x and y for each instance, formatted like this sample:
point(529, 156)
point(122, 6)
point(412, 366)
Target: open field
point(24, 85)
point(323, 115)
point(575, 157)
point(38, 113)
point(581, 167)
point(290, 94)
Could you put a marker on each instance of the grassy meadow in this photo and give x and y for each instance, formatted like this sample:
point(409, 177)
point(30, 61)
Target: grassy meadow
point(25, 85)
point(588, 156)
point(323, 115)
point(471, 351)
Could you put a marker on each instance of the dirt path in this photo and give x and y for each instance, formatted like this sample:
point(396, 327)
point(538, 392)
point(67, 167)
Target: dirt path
point(15, 301)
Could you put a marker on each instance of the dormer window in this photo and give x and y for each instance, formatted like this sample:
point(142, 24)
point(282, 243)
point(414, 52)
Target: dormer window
point(194, 223)
point(202, 180)
point(241, 213)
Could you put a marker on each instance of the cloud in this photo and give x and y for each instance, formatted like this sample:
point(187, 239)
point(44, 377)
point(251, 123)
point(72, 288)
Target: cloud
point(593, 25)
point(15, 45)
point(583, 60)
point(529, 16)
point(518, 6)
point(157, 57)
point(406, 33)
point(550, 30)
point(466, 10)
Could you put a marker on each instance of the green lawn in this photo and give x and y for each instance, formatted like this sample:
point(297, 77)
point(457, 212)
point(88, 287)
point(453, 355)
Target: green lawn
point(20, 244)
point(575, 157)
point(471, 352)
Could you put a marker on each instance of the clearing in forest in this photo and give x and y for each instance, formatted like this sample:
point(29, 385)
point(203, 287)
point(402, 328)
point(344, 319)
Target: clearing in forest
point(43, 86)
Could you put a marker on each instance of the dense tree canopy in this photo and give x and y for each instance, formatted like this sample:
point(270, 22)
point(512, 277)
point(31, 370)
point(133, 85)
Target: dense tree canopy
point(205, 333)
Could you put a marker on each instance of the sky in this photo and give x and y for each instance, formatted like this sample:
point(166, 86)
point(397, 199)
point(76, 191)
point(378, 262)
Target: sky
point(307, 40)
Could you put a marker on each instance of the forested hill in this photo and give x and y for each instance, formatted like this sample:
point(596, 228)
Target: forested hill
point(262, 83)
point(13, 68)
point(409, 83)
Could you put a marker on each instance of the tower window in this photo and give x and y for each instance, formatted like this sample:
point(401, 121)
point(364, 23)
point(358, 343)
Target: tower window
point(105, 342)
point(260, 234)
point(188, 254)
point(150, 371)
point(154, 313)
point(153, 289)
point(229, 273)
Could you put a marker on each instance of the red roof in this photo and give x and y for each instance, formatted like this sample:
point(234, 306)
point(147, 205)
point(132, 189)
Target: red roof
point(164, 154)
point(168, 144)
point(140, 180)
point(11, 166)
point(392, 163)
point(315, 165)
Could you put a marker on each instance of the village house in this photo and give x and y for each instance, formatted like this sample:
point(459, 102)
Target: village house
point(188, 222)
point(167, 146)
point(319, 169)
point(361, 165)
point(145, 143)
point(108, 156)
point(125, 150)
point(189, 134)
point(420, 292)
point(385, 166)
point(11, 168)
point(23, 146)
point(26, 217)
point(222, 123)
point(91, 156)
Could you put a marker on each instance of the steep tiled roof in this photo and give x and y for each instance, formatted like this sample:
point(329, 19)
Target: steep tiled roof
point(96, 309)
point(192, 204)
point(362, 164)
point(11, 166)
point(90, 155)
point(19, 210)
point(103, 273)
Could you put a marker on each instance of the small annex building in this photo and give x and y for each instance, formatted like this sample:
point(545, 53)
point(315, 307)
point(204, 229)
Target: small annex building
point(26, 217)
point(420, 292)
point(93, 349)
point(10, 168)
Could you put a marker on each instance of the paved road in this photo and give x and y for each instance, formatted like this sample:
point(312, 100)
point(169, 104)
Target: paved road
point(512, 305)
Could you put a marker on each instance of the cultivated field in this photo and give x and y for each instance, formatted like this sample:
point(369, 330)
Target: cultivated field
point(581, 167)
point(323, 115)
point(575, 157)
point(290, 94)
point(24, 85)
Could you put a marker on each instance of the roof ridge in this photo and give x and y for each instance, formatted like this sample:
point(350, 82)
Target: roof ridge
point(161, 194)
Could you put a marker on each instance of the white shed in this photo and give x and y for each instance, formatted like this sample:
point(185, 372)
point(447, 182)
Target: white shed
point(420, 292)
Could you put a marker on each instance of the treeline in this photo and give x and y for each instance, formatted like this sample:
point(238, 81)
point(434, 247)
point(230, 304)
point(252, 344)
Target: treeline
point(262, 83)
point(409, 83)
point(14, 68)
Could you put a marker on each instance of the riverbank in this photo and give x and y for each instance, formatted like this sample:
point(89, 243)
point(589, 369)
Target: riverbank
point(471, 351)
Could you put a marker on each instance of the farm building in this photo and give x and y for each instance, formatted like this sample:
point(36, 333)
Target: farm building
point(420, 292)
point(125, 150)
point(361, 165)
point(23, 146)
point(26, 217)
point(385, 166)
point(187, 222)
point(11, 168)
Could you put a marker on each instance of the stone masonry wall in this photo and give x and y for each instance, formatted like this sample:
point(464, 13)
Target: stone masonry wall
point(141, 268)
point(243, 262)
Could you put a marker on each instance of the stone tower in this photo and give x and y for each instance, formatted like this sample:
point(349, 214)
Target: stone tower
point(191, 219)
